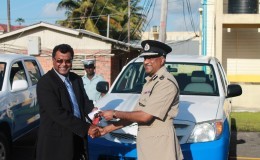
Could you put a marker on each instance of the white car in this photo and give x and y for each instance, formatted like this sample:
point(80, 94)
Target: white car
point(203, 122)
point(19, 110)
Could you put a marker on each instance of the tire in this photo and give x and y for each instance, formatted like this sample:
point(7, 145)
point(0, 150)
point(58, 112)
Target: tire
point(5, 147)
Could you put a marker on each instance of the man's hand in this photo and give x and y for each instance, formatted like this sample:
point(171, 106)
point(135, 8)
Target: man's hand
point(94, 109)
point(93, 131)
point(108, 115)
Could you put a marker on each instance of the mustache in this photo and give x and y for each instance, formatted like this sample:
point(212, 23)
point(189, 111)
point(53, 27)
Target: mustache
point(147, 65)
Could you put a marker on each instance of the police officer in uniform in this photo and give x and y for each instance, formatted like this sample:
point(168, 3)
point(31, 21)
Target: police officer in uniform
point(157, 106)
point(90, 80)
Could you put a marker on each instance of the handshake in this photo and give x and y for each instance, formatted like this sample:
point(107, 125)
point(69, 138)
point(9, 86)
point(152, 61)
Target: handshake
point(96, 115)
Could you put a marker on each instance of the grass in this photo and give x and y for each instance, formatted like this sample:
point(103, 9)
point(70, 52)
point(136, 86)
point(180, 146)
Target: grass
point(245, 121)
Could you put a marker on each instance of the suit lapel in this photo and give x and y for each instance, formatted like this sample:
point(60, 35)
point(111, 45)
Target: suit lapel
point(61, 86)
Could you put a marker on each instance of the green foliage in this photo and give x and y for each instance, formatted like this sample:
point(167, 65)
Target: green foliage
point(245, 121)
point(20, 20)
point(92, 15)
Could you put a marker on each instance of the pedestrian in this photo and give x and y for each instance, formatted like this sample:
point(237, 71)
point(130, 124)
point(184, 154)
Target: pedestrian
point(155, 110)
point(90, 80)
point(63, 103)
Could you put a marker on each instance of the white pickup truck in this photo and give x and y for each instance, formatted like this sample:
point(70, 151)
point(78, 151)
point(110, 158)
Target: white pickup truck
point(203, 122)
point(19, 110)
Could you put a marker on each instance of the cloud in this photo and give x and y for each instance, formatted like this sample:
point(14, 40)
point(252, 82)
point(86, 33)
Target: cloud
point(50, 10)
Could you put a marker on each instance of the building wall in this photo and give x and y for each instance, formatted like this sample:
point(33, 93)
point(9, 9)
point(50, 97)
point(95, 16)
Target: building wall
point(241, 56)
point(238, 50)
point(84, 48)
point(209, 27)
point(50, 38)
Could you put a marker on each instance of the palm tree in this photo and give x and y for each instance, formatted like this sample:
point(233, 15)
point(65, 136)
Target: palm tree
point(92, 15)
point(20, 21)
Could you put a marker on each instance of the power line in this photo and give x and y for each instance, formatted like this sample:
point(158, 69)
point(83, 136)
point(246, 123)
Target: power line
point(101, 13)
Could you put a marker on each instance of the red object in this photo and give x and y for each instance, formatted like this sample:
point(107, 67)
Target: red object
point(96, 120)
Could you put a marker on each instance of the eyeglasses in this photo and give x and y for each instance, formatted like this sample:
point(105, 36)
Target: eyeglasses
point(60, 61)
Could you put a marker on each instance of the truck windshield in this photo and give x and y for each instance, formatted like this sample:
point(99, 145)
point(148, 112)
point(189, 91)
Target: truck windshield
point(192, 78)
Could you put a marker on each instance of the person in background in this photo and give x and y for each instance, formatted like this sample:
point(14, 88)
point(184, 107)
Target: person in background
point(90, 80)
point(63, 103)
point(155, 110)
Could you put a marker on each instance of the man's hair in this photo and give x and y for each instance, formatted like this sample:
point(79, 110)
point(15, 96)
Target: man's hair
point(63, 48)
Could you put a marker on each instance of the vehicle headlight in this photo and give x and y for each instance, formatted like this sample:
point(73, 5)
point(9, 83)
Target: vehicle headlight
point(207, 131)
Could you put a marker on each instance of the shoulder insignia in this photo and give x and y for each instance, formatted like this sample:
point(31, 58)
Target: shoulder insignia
point(162, 77)
point(154, 77)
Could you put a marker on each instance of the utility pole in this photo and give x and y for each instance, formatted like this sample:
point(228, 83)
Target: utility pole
point(128, 25)
point(163, 22)
point(108, 20)
point(8, 16)
point(200, 33)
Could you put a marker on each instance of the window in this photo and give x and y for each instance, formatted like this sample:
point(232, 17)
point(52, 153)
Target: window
point(33, 70)
point(131, 80)
point(2, 74)
point(17, 72)
point(201, 78)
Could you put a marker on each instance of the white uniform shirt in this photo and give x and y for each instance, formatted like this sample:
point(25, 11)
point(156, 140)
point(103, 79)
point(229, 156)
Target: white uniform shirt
point(90, 87)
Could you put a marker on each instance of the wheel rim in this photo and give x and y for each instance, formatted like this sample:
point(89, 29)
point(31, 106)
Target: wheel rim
point(2, 151)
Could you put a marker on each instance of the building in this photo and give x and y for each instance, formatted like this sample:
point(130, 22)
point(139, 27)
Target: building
point(231, 33)
point(3, 28)
point(39, 40)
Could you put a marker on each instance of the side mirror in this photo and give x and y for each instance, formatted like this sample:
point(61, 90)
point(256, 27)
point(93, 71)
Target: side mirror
point(19, 85)
point(102, 87)
point(234, 90)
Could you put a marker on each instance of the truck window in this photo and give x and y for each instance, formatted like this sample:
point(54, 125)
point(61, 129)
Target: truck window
point(192, 78)
point(33, 70)
point(131, 80)
point(2, 74)
point(17, 72)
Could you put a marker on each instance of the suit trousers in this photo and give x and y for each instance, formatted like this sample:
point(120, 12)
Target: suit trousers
point(79, 148)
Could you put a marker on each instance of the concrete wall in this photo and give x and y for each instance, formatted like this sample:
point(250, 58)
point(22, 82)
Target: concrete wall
point(249, 100)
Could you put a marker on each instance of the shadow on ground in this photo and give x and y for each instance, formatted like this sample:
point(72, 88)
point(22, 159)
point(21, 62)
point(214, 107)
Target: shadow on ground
point(234, 141)
point(24, 148)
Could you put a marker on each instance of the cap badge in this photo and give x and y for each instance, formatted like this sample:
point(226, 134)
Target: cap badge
point(146, 47)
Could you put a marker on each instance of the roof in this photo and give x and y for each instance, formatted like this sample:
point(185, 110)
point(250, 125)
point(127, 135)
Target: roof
point(184, 58)
point(6, 57)
point(75, 32)
point(3, 27)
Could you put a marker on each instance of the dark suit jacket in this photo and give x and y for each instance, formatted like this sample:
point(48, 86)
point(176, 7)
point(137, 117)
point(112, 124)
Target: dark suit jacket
point(61, 135)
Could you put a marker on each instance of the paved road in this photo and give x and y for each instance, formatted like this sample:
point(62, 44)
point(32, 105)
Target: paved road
point(244, 146)
point(24, 148)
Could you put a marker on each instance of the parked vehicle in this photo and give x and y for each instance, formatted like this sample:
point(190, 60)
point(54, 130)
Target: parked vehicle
point(203, 122)
point(19, 111)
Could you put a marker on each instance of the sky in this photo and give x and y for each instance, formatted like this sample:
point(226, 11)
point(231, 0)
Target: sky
point(34, 11)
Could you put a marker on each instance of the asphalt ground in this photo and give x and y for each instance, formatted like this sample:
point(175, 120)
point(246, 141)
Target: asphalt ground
point(243, 146)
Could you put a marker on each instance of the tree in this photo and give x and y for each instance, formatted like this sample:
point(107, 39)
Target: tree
point(20, 21)
point(92, 15)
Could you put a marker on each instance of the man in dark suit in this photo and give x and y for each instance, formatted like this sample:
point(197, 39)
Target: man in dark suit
point(63, 128)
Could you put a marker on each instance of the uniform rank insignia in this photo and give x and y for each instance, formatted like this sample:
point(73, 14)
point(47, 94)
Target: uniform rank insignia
point(154, 77)
point(142, 105)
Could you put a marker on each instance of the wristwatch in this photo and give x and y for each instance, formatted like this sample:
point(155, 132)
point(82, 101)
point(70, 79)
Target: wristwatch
point(114, 114)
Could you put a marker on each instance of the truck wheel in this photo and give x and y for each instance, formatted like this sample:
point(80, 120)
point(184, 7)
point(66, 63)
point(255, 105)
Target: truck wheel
point(4, 147)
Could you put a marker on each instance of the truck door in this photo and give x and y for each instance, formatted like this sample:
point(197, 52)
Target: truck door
point(21, 101)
